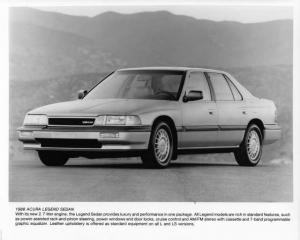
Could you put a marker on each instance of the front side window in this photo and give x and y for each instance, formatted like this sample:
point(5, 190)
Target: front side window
point(198, 82)
point(221, 87)
point(140, 84)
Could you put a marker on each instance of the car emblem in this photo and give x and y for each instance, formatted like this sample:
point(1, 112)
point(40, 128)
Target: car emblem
point(87, 122)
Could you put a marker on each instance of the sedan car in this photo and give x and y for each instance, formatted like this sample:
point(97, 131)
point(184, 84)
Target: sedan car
point(155, 113)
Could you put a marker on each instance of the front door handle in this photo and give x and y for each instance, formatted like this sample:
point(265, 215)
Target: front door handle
point(244, 112)
point(211, 111)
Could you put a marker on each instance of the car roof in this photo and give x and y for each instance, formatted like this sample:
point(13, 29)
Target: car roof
point(174, 69)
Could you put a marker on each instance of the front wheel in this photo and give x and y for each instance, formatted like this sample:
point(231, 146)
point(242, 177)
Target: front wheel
point(53, 158)
point(160, 148)
point(250, 150)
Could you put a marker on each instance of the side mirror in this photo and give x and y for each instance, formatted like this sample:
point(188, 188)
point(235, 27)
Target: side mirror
point(82, 93)
point(193, 96)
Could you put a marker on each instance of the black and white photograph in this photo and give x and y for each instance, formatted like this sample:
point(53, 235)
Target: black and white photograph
point(151, 103)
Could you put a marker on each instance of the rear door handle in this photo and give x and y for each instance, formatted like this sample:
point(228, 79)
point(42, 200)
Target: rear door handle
point(244, 112)
point(211, 112)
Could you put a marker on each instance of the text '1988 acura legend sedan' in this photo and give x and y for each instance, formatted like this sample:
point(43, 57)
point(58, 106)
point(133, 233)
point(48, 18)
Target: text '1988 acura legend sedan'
point(156, 113)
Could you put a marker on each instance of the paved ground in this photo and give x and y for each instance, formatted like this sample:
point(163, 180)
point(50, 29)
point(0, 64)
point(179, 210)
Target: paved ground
point(201, 178)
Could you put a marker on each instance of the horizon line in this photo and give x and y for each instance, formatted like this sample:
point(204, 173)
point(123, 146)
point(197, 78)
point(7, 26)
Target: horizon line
point(153, 11)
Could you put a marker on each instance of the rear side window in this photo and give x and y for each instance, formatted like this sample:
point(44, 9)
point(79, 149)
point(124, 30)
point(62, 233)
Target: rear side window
point(221, 87)
point(235, 92)
point(197, 81)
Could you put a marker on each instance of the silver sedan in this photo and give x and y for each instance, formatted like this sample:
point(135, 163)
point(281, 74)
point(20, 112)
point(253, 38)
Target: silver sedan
point(156, 113)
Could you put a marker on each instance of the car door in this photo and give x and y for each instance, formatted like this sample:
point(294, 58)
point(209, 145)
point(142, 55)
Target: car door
point(199, 118)
point(231, 113)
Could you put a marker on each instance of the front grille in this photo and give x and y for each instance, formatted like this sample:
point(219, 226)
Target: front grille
point(69, 143)
point(71, 121)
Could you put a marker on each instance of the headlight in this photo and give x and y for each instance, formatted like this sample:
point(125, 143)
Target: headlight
point(100, 121)
point(133, 120)
point(117, 120)
point(35, 120)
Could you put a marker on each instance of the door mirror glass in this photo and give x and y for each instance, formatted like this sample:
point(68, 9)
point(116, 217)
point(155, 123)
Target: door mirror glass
point(193, 96)
point(81, 94)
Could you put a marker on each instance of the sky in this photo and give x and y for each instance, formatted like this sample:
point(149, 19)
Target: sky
point(245, 14)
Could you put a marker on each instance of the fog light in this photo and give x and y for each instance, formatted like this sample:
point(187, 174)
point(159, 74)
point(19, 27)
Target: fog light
point(109, 135)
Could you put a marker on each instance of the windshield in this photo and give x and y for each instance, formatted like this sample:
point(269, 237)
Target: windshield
point(139, 84)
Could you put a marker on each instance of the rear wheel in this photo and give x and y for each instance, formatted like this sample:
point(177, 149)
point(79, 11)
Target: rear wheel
point(250, 150)
point(160, 148)
point(53, 158)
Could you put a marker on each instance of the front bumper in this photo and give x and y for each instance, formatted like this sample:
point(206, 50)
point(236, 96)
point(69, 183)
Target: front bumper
point(272, 133)
point(99, 139)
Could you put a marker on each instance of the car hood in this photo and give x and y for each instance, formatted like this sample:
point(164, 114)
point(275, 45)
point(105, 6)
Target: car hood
point(104, 106)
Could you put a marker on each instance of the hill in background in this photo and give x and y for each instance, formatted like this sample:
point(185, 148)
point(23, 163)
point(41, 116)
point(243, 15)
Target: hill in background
point(47, 44)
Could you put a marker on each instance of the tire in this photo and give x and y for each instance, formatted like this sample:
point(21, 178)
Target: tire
point(161, 146)
point(250, 151)
point(52, 158)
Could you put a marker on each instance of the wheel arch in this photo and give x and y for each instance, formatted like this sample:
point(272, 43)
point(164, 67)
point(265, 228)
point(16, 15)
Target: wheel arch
point(171, 123)
point(259, 123)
